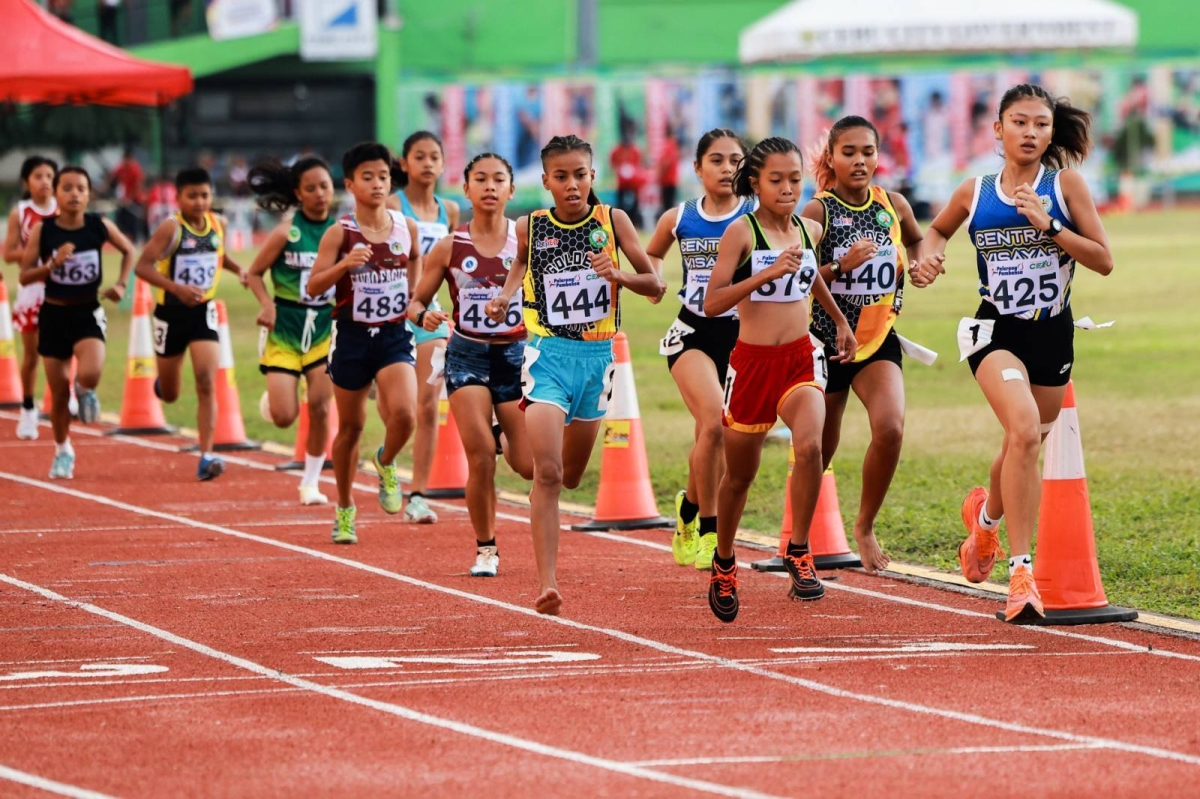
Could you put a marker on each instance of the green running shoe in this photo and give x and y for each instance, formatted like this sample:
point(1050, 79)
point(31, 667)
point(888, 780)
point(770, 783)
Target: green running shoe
point(708, 547)
point(343, 526)
point(686, 540)
point(389, 485)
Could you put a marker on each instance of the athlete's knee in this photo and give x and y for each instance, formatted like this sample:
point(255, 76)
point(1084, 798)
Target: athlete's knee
point(482, 463)
point(737, 480)
point(888, 434)
point(548, 475)
point(807, 450)
point(206, 384)
point(710, 435)
point(1023, 440)
point(402, 418)
point(349, 430)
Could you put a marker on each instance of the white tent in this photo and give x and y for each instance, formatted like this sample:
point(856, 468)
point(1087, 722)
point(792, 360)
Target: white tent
point(808, 29)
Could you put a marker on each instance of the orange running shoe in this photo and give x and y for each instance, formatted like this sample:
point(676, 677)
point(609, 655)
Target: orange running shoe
point(977, 555)
point(1024, 601)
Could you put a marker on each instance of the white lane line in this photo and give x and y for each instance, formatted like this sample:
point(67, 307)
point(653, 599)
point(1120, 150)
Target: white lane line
point(387, 707)
point(50, 786)
point(621, 635)
point(957, 750)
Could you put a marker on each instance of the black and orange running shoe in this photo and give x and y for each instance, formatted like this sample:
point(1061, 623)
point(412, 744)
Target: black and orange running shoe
point(722, 591)
point(805, 583)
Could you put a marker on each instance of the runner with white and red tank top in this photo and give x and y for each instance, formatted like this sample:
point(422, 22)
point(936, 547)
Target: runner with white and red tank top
point(37, 203)
point(484, 355)
point(371, 259)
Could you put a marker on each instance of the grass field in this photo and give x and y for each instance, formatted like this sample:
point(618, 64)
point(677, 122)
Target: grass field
point(1137, 384)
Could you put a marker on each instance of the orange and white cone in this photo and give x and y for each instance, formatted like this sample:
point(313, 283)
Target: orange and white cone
point(826, 534)
point(625, 500)
point(141, 411)
point(1065, 565)
point(302, 426)
point(448, 477)
point(10, 372)
point(231, 430)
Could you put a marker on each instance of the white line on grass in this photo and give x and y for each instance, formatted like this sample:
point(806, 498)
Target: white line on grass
point(50, 786)
point(621, 635)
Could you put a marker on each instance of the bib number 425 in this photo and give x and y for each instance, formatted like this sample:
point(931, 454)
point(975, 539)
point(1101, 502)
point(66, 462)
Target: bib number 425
point(1024, 293)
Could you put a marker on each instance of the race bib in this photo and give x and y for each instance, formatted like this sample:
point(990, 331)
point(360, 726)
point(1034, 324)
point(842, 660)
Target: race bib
point(376, 303)
point(198, 270)
point(695, 290)
point(1020, 285)
point(78, 270)
point(973, 335)
point(306, 298)
point(786, 288)
point(472, 311)
point(672, 343)
point(874, 277)
point(576, 298)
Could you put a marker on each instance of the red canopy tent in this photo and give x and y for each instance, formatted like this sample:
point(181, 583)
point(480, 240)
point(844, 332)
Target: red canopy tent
point(48, 61)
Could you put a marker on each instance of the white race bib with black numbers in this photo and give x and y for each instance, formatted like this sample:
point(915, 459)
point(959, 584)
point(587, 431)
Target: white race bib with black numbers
point(1022, 285)
point(696, 288)
point(576, 298)
point(306, 299)
point(472, 311)
point(79, 269)
point(376, 303)
point(874, 277)
point(792, 287)
point(198, 269)
point(672, 343)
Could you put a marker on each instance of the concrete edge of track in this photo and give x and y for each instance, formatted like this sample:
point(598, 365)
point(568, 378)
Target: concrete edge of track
point(1172, 625)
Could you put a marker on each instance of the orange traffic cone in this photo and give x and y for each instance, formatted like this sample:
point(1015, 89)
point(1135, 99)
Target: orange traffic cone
point(74, 402)
point(625, 500)
point(826, 534)
point(1066, 570)
point(231, 430)
point(448, 477)
point(10, 373)
point(302, 425)
point(141, 411)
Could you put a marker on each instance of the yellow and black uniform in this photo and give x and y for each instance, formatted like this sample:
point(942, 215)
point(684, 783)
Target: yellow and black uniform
point(193, 259)
point(869, 296)
point(571, 313)
point(300, 339)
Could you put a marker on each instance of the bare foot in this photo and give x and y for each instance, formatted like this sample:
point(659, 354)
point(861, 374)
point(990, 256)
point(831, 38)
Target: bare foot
point(873, 559)
point(549, 602)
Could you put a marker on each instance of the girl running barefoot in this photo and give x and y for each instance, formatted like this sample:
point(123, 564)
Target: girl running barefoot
point(569, 272)
point(871, 235)
point(63, 253)
point(423, 162)
point(483, 358)
point(183, 261)
point(371, 256)
point(1030, 224)
point(697, 346)
point(767, 269)
point(296, 326)
point(37, 203)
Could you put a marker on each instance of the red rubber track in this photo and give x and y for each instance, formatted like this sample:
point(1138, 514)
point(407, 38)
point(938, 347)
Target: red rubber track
point(207, 606)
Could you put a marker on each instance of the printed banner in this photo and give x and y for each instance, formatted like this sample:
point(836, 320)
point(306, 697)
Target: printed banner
point(336, 30)
point(233, 19)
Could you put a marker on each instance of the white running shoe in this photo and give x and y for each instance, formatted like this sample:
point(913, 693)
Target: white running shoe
point(417, 512)
point(73, 406)
point(311, 495)
point(487, 562)
point(264, 407)
point(27, 424)
point(89, 407)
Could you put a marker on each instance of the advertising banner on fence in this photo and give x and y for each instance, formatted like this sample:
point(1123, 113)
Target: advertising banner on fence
point(335, 30)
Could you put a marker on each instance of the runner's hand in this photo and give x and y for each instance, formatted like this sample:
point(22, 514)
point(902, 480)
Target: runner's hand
point(358, 257)
point(859, 253)
point(266, 318)
point(602, 265)
point(115, 293)
point(191, 296)
point(497, 308)
point(60, 256)
point(926, 271)
point(847, 344)
point(433, 319)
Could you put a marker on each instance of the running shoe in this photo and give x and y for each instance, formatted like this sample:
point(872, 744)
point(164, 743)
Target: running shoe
point(417, 511)
point(806, 585)
point(389, 485)
point(977, 554)
point(687, 535)
point(27, 424)
point(63, 467)
point(343, 526)
point(73, 406)
point(487, 562)
point(704, 551)
point(722, 592)
point(89, 407)
point(311, 495)
point(1024, 601)
point(210, 467)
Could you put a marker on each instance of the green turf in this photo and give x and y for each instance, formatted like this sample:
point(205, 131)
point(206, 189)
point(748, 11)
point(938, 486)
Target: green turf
point(1136, 386)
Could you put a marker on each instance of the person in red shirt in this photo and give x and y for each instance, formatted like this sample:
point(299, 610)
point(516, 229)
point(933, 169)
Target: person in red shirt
point(626, 162)
point(128, 178)
point(667, 165)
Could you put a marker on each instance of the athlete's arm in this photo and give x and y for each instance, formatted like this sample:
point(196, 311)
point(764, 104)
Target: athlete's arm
point(847, 345)
point(645, 279)
point(453, 214)
point(722, 294)
point(433, 272)
point(270, 252)
point(859, 253)
point(125, 247)
point(12, 239)
point(227, 262)
point(30, 271)
point(1090, 245)
point(415, 261)
point(327, 269)
point(663, 238)
point(911, 235)
point(940, 231)
point(497, 307)
point(156, 249)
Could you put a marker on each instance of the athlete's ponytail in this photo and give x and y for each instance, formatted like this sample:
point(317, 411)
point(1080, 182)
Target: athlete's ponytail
point(274, 184)
point(400, 179)
point(567, 144)
point(1071, 138)
point(753, 163)
point(822, 150)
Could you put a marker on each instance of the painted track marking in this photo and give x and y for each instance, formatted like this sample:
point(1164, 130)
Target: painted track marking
point(49, 786)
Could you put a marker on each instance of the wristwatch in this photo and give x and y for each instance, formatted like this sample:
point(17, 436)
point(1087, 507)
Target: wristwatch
point(421, 317)
point(835, 268)
point(1054, 229)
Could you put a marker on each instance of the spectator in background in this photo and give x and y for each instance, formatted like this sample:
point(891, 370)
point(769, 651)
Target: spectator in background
point(181, 12)
point(160, 201)
point(239, 172)
point(107, 12)
point(62, 9)
point(126, 181)
point(667, 167)
point(626, 162)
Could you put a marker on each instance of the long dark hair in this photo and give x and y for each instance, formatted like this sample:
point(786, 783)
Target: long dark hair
point(752, 164)
point(471, 165)
point(366, 151)
point(409, 143)
point(274, 184)
point(822, 172)
point(28, 165)
point(1071, 138)
point(706, 141)
point(568, 144)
